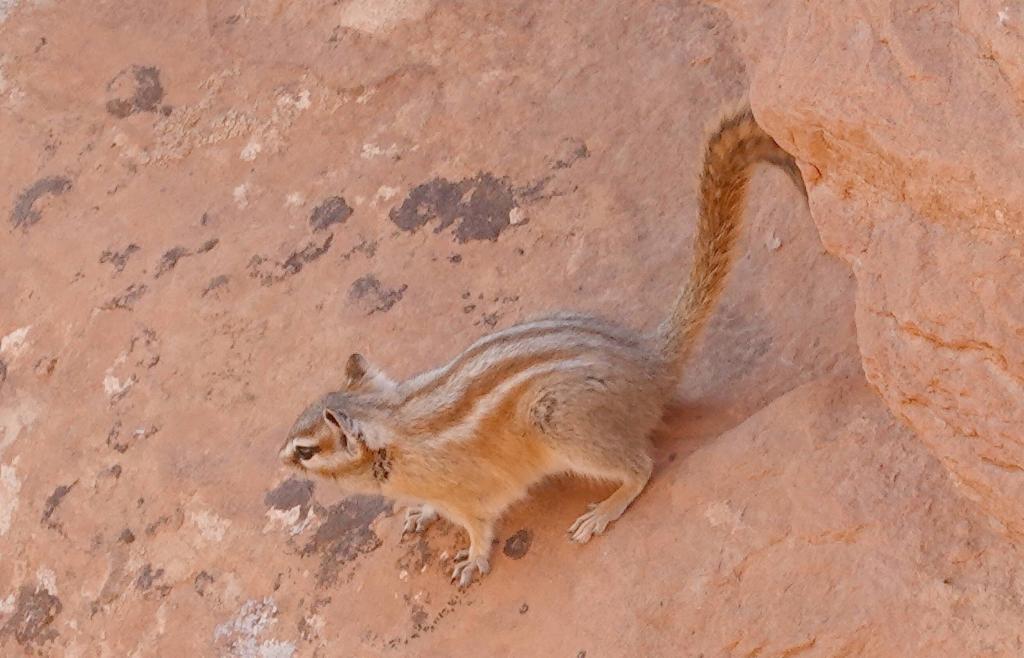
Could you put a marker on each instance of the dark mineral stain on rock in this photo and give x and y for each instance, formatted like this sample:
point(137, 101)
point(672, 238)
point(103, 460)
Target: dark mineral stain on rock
point(419, 616)
point(114, 440)
point(119, 258)
point(308, 631)
point(345, 534)
point(293, 492)
point(126, 300)
point(215, 282)
point(481, 206)
point(417, 556)
point(208, 245)
point(3, 371)
point(135, 89)
point(24, 213)
point(270, 272)
point(53, 501)
point(45, 366)
point(334, 210)
point(294, 263)
point(518, 544)
point(534, 191)
point(147, 576)
point(169, 522)
point(201, 582)
point(169, 260)
point(576, 151)
point(366, 247)
point(34, 611)
point(370, 294)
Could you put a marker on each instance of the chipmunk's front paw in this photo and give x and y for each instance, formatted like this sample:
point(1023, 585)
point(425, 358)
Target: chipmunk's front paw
point(466, 566)
point(418, 518)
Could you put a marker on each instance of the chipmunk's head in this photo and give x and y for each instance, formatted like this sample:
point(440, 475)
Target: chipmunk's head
point(329, 438)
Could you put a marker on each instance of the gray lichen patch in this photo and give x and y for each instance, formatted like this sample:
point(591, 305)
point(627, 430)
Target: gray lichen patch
point(243, 636)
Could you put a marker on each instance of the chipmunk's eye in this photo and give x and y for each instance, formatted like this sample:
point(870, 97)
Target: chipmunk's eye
point(306, 452)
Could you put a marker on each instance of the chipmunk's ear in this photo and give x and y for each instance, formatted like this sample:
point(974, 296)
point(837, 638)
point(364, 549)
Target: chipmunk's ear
point(339, 420)
point(359, 374)
point(356, 370)
point(345, 429)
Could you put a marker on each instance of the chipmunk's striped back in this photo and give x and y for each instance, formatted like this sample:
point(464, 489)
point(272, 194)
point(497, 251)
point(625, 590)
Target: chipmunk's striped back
point(449, 401)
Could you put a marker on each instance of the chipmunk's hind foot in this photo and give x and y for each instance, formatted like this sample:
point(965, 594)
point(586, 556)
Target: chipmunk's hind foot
point(596, 520)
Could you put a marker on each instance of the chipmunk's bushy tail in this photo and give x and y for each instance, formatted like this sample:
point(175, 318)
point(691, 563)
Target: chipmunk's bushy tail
point(733, 148)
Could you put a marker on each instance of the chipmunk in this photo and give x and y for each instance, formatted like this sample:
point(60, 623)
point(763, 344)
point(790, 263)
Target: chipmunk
point(568, 393)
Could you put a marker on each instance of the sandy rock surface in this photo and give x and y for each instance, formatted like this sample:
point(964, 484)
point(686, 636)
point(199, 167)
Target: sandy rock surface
point(210, 205)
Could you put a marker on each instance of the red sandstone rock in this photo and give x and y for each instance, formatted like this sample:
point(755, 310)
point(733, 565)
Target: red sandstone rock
point(209, 205)
point(911, 121)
